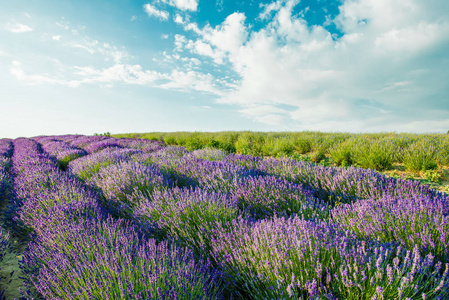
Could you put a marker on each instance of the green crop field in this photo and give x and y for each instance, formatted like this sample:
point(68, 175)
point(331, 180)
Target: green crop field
point(423, 157)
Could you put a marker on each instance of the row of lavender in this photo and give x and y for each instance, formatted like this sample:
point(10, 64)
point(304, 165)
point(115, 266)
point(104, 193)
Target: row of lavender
point(79, 252)
point(403, 211)
point(5, 186)
point(276, 227)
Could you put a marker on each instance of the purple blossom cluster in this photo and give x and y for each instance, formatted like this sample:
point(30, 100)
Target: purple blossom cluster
point(124, 183)
point(83, 141)
point(5, 185)
point(108, 259)
point(61, 151)
point(411, 220)
point(78, 251)
point(103, 144)
point(261, 197)
point(283, 258)
point(41, 187)
point(218, 176)
point(87, 166)
point(344, 185)
point(185, 215)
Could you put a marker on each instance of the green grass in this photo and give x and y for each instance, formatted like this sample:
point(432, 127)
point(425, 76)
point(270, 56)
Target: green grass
point(379, 151)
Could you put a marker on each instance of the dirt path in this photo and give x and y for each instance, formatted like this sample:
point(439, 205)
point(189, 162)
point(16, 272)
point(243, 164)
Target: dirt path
point(10, 271)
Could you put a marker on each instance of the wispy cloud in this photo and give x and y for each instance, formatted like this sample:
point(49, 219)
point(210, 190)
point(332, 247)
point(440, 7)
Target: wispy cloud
point(191, 5)
point(122, 74)
point(92, 46)
point(154, 12)
point(18, 28)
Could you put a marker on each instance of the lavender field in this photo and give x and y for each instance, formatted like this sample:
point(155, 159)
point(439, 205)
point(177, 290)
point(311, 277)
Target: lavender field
point(109, 218)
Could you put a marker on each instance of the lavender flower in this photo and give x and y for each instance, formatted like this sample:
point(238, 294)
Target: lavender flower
point(103, 259)
point(411, 220)
point(187, 216)
point(85, 167)
point(265, 196)
point(119, 183)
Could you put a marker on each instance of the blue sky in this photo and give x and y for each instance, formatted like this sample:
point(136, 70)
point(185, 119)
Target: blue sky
point(193, 65)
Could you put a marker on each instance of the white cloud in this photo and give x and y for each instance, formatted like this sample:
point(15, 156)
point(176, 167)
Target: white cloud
point(191, 5)
point(164, 36)
point(129, 74)
point(133, 18)
point(178, 19)
point(118, 73)
point(56, 37)
point(202, 48)
point(191, 80)
point(180, 41)
point(63, 24)
point(215, 42)
point(230, 35)
point(109, 52)
point(18, 28)
point(36, 79)
point(386, 56)
point(87, 45)
point(154, 12)
point(121, 74)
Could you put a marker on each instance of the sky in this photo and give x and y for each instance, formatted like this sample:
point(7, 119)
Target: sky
point(90, 66)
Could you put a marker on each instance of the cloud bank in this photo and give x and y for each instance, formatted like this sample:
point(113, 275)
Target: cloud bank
point(373, 65)
point(390, 57)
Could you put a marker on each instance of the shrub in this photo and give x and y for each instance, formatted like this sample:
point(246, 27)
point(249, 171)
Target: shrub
point(293, 258)
point(186, 215)
point(317, 156)
point(193, 143)
point(421, 156)
point(250, 143)
point(265, 196)
point(120, 182)
point(410, 220)
point(432, 175)
point(86, 166)
point(302, 145)
point(341, 154)
point(107, 259)
point(375, 155)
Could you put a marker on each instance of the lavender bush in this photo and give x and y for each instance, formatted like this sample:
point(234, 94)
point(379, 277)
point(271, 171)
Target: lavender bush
point(411, 221)
point(343, 185)
point(218, 176)
point(120, 182)
point(296, 259)
point(103, 144)
point(186, 216)
point(87, 166)
point(107, 259)
point(83, 141)
point(264, 196)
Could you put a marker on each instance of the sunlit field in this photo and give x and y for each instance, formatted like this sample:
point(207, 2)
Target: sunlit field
point(256, 216)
